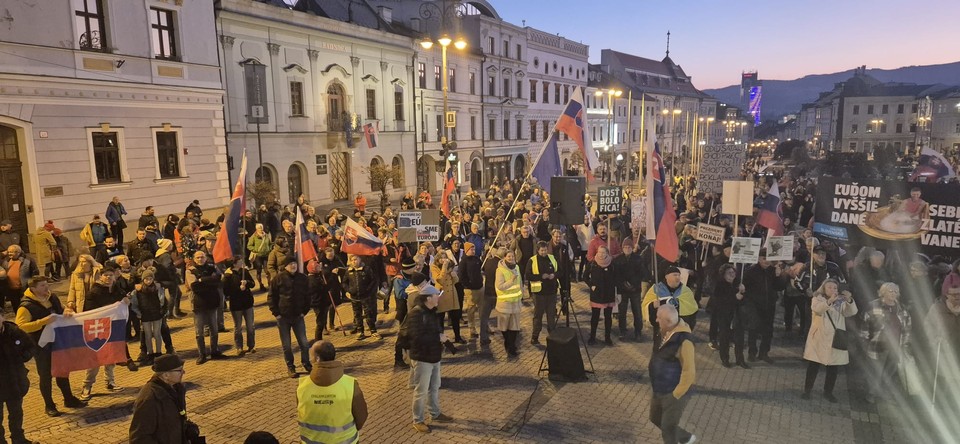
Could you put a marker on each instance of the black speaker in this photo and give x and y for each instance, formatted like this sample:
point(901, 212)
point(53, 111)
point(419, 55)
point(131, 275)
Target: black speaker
point(566, 199)
point(563, 356)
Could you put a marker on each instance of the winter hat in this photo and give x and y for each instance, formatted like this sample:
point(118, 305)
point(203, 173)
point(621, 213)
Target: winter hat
point(313, 267)
point(149, 273)
point(417, 278)
point(163, 245)
point(408, 264)
point(49, 226)
point(670, 270)
point(468, 245)
point(287, 261)
point(167, 363)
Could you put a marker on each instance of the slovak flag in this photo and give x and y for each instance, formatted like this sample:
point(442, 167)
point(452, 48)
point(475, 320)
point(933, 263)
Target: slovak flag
point(357, 240)
point(770, 215)
point(87, 340)
point(372, 134)
point(573, 123)
point(449, 185)
point(228, 238)
point(660, 206)
point(303, 247)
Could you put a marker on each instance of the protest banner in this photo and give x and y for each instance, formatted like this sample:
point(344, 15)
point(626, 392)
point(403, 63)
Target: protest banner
point(745, 250)
point(609, 200)
point(719, 163)
point(913, 217)
point(780, 248)
point(638, 214)
point(710, 233)
point(418, 226)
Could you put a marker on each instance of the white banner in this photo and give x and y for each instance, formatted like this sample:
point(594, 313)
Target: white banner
point(745, 250)
point(780, 248)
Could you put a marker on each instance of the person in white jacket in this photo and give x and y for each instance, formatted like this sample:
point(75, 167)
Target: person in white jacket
point(585, 234)
point(830, 309)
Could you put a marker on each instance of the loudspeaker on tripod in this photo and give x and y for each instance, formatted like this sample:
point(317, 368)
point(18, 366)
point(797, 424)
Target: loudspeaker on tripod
point(566, 199)
point(563, 355)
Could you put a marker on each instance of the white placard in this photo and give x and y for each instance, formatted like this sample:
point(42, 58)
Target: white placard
point(710, 233)
point(745, 250)
point(780, 248)
point(737, 197)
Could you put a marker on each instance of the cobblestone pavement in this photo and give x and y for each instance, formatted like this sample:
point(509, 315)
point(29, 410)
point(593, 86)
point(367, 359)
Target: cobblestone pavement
point(492, 398)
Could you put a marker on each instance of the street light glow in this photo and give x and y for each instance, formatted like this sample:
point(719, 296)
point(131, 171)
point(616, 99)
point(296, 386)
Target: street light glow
point(598, 93)
point(426, 43)
point(445, 40)
point(677, 111)
point(460, 43)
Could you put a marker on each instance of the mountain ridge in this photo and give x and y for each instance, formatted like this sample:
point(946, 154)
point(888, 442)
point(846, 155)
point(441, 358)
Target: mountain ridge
point(782, 97)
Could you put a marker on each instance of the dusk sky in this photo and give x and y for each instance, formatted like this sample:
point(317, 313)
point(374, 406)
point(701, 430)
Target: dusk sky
point(715, 40)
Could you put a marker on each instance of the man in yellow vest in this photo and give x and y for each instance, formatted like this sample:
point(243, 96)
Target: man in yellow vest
point(330, 405)
point(542, 274)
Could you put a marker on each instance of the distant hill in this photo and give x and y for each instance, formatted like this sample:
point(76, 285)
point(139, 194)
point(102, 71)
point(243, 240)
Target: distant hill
point(785, 96)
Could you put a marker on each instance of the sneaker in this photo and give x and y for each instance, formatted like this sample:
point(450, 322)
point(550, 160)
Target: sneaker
point(442, 418)
point(201, 360)
point(74, 403)
point(712, 345)
point(623, 337)
point(361, 336)
point(421, 427)
point(251, 350)
point(52, 411)
point(691, 440)
point(292, 373)
point(114, 388)
point(85, 394)
point(241, 352)
point(400, 364)
point(308, 369)
point(376, 336)
point(830, 397)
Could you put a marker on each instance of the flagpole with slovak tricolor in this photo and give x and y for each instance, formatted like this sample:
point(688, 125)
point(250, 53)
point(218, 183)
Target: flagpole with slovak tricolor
point(228, 238)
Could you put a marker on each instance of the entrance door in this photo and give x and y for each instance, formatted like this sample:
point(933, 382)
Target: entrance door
point(11, 184)
point(340, 176)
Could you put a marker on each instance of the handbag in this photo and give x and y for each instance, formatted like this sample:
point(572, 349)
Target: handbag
point(910, 375)
point(839, 336)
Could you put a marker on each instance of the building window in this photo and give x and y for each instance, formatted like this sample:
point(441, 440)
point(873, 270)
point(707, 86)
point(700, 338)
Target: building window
point(473, 82)
point(533, 130)
point(853, 146)
point(91, 26)
point(473, 127)
point(519, 88)
point(398, 107)
point(296, 99)
point(506, 129)
point(854, 128)
point(453, 133)
point(371, 104)
point(439, 127)
point(546, 130)
point(336, 110)
point(164, 41)
point(436, 78)
point(492, 128)
point(566, 93)
point(856, 109)
point(913, 127)
point(518, 52)
point(491, 86)
point(899, 128)
point(900, 109)
point(452, 81)
point(422, 74)
point(493, 45)
point(870, 109)
point(168, 154)
point(506, 87)
point(957, 129)
point(106, 156)
point(883, 127)
point(556, 93)
point(913, 108)
point(885, 109)
point(546, 92)
point(533, 91)
point(519, 128)
point(506, 48)
point(633, 135)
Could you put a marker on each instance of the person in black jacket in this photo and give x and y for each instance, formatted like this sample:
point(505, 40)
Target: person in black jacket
point(361, 288)
point(289, 301)
point(762, 282)
point(630, 284)
point(159, 412)
point(320, 298)
point(471, 278)
point(725, 304)
point(237, 288)
point(602, 280)
point(205, 286)
point(16, 348)
point(103, 293)
point(424, 335)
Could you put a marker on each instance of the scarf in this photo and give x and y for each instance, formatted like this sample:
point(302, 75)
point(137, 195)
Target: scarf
point(603, 258)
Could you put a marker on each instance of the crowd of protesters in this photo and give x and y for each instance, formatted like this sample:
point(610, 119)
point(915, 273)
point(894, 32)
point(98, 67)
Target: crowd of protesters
point(498, 251)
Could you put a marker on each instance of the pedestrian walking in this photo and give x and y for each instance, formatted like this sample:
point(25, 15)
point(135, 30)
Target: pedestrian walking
point(673, 371)
point(289, 302)
point(424, 335)
point(16, 348)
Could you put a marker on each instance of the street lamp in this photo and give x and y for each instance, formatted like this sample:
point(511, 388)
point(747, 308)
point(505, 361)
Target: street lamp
point(611, 94)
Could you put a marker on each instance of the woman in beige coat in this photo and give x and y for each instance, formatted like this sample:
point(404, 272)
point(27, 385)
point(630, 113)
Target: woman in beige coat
point(444, 274)
point(830, 309)
point(81, 281)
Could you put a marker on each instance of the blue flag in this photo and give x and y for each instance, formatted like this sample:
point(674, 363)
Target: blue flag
point(548, 163)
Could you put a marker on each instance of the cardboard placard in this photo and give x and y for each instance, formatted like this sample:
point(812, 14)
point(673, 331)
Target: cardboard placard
point(780, 248)
point(710, 233)
point(720, 163)
point(745, 250)
point(638, 214)
point(418, 226)
point(737, 197)
point(609, 200)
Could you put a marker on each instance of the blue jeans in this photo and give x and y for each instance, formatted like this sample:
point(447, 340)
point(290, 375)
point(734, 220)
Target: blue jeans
point(426, 383)
point(300, 330)
point(245, 318)
point(206, 318)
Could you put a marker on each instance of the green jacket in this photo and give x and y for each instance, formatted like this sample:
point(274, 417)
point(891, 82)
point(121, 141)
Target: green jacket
point(260, 245)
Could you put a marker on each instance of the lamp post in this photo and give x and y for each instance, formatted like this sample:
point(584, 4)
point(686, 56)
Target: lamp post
point(876, 129)
point(611, 94)
point(673, 139)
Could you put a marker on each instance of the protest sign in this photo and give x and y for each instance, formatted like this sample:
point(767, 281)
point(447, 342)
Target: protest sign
point(710, 233)
point(418, 226)
point(638, 214)
point(719, 163)
point(737, 197)
point(609, 200)
point(745, 250)
point(780, 248)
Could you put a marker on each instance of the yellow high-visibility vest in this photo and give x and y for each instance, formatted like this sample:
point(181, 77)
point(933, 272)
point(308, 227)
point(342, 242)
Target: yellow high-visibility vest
point(537, 286)
point(512, 294)
point(325, 414)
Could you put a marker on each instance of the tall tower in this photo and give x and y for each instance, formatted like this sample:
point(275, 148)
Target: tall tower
point(751, 94)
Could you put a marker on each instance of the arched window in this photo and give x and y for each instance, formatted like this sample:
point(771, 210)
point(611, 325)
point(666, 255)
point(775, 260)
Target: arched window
point(336, 107)
point(294, 182)
point(264, 174)
point(397, 166)
point(520, 167)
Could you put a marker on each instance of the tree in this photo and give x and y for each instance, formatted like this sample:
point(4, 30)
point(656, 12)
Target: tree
point(262, 192)
point(380, 176)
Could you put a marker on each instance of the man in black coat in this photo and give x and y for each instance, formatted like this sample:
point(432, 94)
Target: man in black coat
point(157, 412)
point(424, 335)
point(630, 284)
point(361, 287)
point(16, 348)
point(205, 286)
point(470, 273)
point(289, 302)
point(762, 282)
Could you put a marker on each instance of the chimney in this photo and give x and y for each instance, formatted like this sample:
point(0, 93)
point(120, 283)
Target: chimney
point(386, 14)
